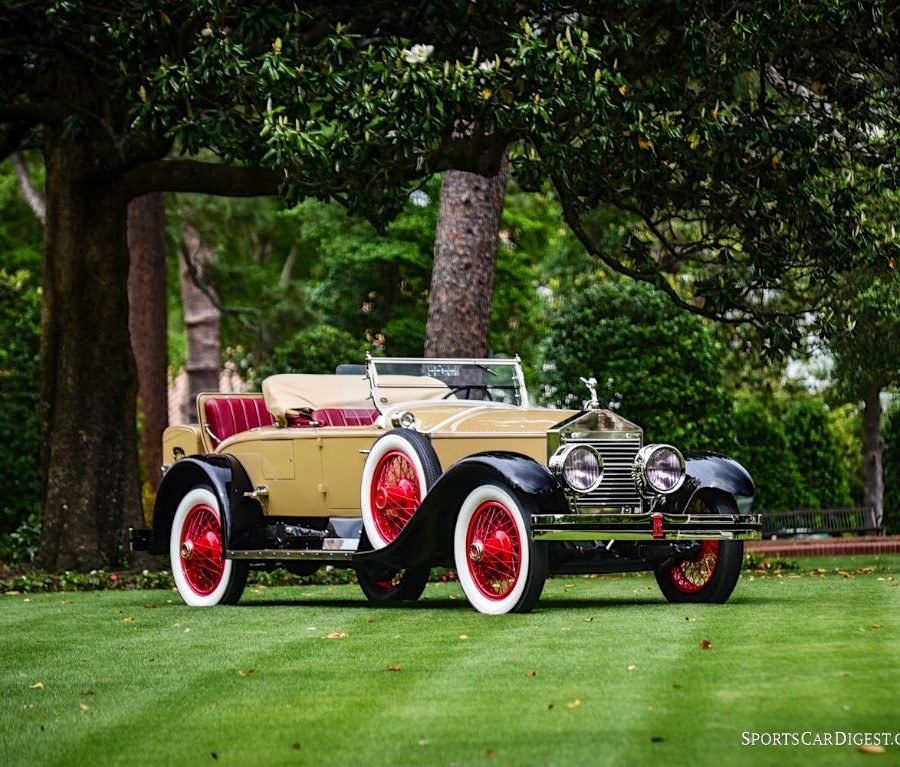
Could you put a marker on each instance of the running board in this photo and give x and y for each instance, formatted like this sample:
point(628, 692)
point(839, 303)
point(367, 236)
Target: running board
point(291, 554)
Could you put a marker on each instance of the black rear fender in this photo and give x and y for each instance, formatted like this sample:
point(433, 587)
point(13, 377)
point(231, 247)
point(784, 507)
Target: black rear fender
point(227, 479)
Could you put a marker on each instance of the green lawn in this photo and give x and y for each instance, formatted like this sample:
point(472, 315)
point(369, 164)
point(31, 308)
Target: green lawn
point(602, 672)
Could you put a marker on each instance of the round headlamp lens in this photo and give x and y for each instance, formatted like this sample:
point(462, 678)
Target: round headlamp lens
point(664, 469)
point(582, 469)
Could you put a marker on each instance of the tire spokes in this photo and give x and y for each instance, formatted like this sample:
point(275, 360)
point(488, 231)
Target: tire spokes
point(693, 574)
point(494, 550)
point(396, 494)
point(202, 561)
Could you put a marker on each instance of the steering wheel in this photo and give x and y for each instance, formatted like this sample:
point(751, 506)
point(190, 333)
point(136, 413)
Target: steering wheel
point(468, 389)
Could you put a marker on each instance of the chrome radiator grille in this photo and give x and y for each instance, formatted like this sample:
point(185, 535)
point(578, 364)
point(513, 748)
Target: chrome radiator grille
point(617, 488)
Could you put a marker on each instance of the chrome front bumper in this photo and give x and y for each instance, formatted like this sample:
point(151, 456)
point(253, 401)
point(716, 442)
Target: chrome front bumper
point(645, 527)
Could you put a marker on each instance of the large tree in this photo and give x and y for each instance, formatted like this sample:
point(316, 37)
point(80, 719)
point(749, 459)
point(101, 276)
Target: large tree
point(741, 123)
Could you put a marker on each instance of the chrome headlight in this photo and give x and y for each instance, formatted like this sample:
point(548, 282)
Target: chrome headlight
point(658, 469)
point(580, 467)
point(405, 420)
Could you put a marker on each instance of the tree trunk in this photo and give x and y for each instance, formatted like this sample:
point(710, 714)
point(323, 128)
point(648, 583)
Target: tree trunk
point(465, 251)
point(88, 383)
point(147, 324)
point(202, 320)
point(873, 453)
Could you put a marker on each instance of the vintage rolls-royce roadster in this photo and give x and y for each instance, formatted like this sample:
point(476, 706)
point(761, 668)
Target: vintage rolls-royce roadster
point(406, 464)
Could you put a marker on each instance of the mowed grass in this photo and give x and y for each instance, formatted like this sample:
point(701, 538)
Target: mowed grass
point(602, 672)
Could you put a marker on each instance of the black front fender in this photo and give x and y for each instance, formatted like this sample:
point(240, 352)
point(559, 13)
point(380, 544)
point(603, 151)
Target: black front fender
point(428, 538)
point(708, 471)
point(227, 479)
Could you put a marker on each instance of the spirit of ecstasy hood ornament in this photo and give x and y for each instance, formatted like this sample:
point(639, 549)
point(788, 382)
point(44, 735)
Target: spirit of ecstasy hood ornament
point(593, 403)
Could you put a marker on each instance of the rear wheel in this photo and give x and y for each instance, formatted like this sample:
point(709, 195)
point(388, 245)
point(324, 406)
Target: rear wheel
point(196, 551)
point(711, 574)
point(399, 470)
point(500, 567)
point(393, 585)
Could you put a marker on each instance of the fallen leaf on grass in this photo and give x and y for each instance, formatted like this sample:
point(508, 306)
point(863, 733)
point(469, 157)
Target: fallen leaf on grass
point(296, 746)
point(84, 707)
point(877, 626)
point(632, 667)
point(704, 644)
point(845, 673)
point(657, 739)
point(574, 704)
point(490, 753)
point(423, 742)
point(464, 637)
point(37, 686)
point(869, 748)
point(87, 692)
point(587, 620)
point(150, 607)
point(569, 586)
point(128, 619)
point(12, 593)
point(530, 674)
point(550, 707)
point(248, 672)
point(336, 635)
point(393, 668)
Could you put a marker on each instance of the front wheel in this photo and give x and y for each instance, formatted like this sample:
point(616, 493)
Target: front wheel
point(501, 568)
point(711, 574)
point(196, 550)
point(393, 585)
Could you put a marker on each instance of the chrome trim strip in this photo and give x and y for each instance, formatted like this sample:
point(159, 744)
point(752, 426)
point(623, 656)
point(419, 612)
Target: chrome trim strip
point(279, 554)
point(635, 535)
point(595, 516)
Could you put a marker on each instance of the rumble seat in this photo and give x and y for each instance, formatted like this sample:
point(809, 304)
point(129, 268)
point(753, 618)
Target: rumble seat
point(226, 416)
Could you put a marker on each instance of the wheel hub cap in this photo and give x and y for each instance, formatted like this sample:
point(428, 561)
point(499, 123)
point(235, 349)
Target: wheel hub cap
point(476, 551)
point(187, 549)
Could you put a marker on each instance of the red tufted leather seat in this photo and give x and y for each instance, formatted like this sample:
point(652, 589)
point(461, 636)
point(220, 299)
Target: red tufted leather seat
point(348, 416)
point(227, 416)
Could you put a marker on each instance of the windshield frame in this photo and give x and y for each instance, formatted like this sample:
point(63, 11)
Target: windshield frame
point(518, 377)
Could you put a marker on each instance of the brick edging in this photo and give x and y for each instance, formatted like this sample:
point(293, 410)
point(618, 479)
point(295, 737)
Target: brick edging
point(824, 547)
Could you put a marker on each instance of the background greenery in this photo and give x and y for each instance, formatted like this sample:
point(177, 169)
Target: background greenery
point(309, 288)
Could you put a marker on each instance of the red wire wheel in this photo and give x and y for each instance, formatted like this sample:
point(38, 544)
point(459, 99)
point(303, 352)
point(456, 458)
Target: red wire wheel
point(711, 572)
point(203, 576)
point(691, 575)
point(201, 550)
point(395, 494)
point(495, 550)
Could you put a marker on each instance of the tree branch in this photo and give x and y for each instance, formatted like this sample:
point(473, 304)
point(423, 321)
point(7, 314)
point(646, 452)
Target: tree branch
point(201, 178)
point(31, 195)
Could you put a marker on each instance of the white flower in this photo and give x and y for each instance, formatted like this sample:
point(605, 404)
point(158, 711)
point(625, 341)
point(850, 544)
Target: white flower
point(488, 66)
point(418, 53)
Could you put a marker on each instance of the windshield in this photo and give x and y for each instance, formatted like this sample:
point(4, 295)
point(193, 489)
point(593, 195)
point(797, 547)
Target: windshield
point(486, 380)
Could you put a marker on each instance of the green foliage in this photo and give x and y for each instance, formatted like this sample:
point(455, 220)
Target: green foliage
point(814, 447)
point(656, 365)
point(845, 422)
point(317, 350)
point(762, 447)
point(20, 471)
point(891, 429)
